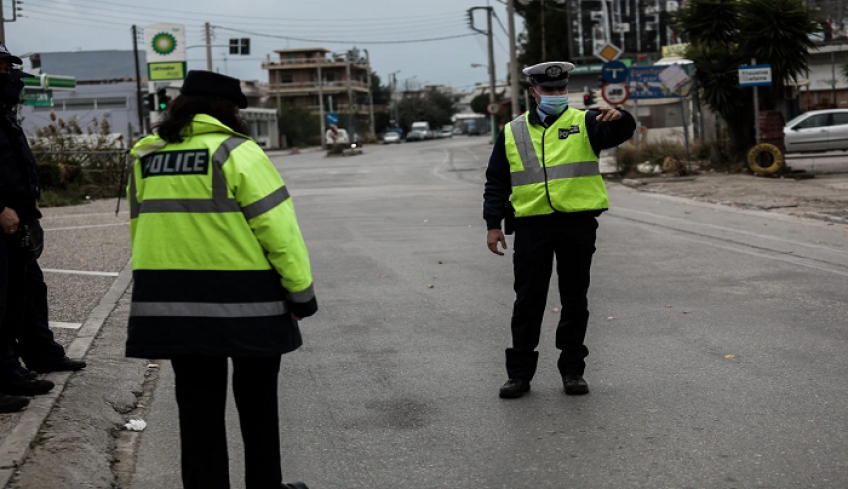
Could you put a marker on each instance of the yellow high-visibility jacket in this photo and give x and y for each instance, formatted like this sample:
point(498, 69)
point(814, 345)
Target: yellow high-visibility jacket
point(218, 259)
point(555, 168)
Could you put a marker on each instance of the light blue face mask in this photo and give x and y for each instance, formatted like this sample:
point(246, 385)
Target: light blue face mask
point(553, 104)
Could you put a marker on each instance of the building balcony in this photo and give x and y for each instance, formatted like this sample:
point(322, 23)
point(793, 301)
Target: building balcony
point(312, 87)
point(300, 63)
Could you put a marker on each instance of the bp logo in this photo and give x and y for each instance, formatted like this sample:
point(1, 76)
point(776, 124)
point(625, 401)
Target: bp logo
point(164, 43)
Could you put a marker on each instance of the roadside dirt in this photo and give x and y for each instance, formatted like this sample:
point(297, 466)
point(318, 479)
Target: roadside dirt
point(824, 197)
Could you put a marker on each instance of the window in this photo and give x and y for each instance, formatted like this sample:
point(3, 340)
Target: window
point(286, 78)
point(79, 104)
point(111, 103)
point(818, 120)
point(840, 118)
point(330, 77)
point(261, 128)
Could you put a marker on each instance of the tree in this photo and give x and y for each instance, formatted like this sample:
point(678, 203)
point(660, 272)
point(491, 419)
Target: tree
point(530, 43)
point(381, 93)
point(434, 107)
point(479, 103)
point(725, 34)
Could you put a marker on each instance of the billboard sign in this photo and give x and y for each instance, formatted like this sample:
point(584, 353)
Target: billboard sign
point(646, 83)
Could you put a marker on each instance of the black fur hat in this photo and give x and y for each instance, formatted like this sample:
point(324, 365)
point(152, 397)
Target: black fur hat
point(199, 82)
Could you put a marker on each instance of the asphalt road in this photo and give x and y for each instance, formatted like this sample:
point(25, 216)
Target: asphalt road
point(717, 344)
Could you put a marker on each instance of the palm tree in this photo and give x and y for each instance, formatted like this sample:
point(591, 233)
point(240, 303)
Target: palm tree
point(725, 34)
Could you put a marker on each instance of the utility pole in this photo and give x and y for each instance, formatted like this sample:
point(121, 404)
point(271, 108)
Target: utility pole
point(542, 16)
point(513, 59)
point(370, 93)
point(208, 30)
point(493, 123)
point(350, 123)
point(137, 82)
point(394, 98)
point(2, 26)
point(321, 104)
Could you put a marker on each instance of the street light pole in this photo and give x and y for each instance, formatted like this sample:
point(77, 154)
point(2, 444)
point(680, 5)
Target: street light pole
point(513, 59)
point(493, 123)
point(370, 93)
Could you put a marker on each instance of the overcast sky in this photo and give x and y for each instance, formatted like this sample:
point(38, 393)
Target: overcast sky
point(69, 25)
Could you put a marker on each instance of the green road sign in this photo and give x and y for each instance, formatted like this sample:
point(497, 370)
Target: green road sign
point(38, 98)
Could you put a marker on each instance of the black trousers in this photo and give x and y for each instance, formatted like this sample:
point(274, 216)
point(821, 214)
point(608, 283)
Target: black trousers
point(12, 300)
point(534, 250)
point(36, 344)
point(201, 388)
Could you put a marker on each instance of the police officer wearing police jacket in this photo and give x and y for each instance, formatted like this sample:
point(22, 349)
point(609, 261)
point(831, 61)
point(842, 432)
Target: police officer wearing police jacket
point(220, 271)
point(19, 215)
point(544, 169)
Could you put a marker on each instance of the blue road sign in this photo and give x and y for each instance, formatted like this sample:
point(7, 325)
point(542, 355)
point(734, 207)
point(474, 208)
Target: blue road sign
point(614, 72)
point(755, 76)
point(332, 118)
point(645, 83)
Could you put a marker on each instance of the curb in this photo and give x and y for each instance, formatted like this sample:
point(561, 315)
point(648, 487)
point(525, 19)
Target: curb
point(16, 446)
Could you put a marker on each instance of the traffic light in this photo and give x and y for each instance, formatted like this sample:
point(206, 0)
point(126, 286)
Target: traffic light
point(151, 102)
point(589, 99)
point(163, 100)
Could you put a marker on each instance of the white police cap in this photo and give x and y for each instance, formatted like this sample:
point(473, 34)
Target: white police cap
point(549, 74)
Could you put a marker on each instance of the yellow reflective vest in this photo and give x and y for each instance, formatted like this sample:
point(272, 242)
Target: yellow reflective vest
point(217, 255)
point(553, 169)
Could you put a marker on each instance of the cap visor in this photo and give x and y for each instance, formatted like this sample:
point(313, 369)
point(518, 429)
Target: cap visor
point(557, 83)
point(242, 101)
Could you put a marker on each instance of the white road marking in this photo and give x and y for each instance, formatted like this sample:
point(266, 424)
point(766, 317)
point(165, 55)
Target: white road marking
point(87, 227)
point(80, 272)
point(79, 216)
point(61, 325)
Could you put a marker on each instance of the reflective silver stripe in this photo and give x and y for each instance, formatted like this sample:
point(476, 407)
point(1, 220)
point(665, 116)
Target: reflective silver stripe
point(569, 170)
point(189, 205)
point(266, 203)
point(305, 295)
point(524, 142)
point(208, 310)
point(220, 202)
point(222, 154)
point(533, 171)
point(134, 207)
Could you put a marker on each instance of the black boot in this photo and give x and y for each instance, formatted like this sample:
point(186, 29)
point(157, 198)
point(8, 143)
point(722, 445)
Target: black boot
point(19, 386)
point(575, 385)
point(12, 404)
point(514, 388)
point(62, 365)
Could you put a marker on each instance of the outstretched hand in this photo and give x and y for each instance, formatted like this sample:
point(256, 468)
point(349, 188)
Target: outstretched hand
point(608, 114)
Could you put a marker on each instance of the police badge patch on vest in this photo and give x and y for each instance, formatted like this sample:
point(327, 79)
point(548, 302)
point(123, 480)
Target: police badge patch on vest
point(564, 133)
point(167, 163)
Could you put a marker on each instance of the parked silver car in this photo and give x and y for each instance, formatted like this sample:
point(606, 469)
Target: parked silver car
point(817, 130)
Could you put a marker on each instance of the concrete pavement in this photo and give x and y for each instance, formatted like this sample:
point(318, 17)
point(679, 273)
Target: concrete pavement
point(716, 346)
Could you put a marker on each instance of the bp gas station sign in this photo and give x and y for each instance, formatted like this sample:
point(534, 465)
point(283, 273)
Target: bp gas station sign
point(166, 52)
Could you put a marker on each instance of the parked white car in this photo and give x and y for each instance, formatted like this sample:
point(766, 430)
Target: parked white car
point(817, 130)
point(391, 137)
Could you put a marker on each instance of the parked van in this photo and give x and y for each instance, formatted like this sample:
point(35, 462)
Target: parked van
point(421, 130)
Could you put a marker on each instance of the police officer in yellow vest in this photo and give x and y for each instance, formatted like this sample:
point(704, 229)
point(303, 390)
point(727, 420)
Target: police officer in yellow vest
point(547, 161)
point(220, 271)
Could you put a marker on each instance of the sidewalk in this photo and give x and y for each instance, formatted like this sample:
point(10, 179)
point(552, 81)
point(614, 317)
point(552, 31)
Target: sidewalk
point(824, 197)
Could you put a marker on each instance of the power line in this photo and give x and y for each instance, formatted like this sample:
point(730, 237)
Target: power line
point(348, 20)
point(339, 41)
point(416, 25)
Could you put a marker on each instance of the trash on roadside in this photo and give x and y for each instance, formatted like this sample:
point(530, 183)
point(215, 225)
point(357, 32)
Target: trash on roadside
point(136, 425)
